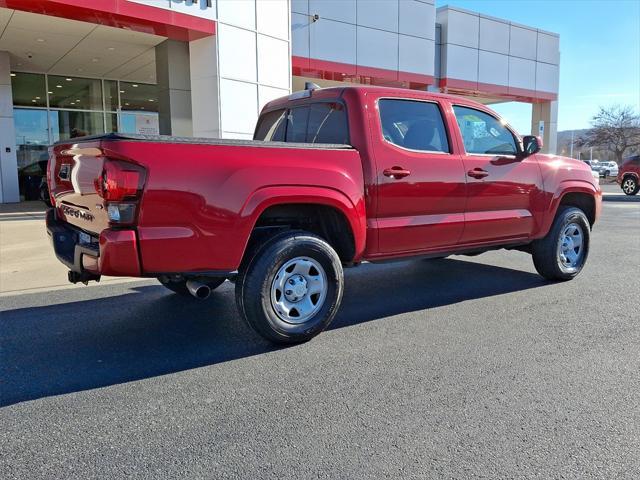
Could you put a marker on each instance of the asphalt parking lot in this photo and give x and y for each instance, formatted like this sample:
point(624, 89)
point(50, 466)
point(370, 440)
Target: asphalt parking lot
point(457, 368)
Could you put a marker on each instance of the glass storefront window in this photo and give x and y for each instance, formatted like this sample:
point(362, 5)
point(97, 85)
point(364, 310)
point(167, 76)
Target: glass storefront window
point(138, 96)
point(141, 123)
point(112, 122)
point(28, 89)
point(111, 95)
point(75, 93)
point(66, 124)
point(32, 142)
point(76, 107)
point(32, 137)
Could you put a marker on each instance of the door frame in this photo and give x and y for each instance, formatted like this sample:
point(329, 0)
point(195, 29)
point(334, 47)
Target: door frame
point(377, 139)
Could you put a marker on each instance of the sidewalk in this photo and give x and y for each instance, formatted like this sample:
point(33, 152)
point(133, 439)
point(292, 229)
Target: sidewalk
point(27, 262)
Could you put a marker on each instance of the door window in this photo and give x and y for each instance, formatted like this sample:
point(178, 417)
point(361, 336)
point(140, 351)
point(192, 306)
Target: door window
point(413, 124)
point(484, 134)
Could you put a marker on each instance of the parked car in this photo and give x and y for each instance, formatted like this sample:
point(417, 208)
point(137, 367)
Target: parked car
point(31, 179)
point(334, 177)
point(629, 175)
point(608, 169)
point(595, 166)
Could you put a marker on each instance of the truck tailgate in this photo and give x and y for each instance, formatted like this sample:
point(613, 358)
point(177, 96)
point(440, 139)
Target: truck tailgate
point(72, 174)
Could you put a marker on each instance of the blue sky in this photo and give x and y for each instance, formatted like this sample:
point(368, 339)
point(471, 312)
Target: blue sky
point(599, 53)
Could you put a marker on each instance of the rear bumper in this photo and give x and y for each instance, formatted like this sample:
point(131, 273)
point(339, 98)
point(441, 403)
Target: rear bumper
point(114, 254)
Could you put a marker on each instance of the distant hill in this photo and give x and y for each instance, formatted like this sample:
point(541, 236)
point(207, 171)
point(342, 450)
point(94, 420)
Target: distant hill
point(564, 146)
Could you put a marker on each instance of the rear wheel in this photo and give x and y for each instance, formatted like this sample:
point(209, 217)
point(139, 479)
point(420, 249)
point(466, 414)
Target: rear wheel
point(630, 186)
point(561, 255)
point(291, 288)
point(180, 286)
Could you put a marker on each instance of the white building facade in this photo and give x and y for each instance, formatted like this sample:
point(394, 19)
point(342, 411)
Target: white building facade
point(206, 67)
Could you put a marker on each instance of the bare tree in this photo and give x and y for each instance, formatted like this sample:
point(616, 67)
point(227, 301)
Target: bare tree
point(615, 128)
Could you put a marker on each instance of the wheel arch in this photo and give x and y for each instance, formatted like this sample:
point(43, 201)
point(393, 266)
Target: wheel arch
point(579, 194)
point(324, 211)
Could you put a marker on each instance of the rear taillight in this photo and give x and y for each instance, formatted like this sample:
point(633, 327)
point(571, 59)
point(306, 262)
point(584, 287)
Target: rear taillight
point(120, 181)
point(120, 185)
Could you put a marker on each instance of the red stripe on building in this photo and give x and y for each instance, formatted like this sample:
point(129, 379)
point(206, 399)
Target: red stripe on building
point(122, 14)
point(478, 89)
point(345, 72)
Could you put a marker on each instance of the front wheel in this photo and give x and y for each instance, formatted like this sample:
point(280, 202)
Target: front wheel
point(561, 255)
point(291, 288)
point(630, 186)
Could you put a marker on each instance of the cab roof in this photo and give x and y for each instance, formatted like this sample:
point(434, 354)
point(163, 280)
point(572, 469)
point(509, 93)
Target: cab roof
point(339, 91)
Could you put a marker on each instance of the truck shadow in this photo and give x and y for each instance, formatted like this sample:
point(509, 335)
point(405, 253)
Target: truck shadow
point(70, 347)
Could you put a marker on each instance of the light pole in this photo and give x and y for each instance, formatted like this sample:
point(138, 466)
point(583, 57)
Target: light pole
point(571, 151)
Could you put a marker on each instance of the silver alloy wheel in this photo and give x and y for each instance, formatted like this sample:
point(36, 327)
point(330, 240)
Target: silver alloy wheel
point(628, 186)
point(571, 247)
point(299, 290)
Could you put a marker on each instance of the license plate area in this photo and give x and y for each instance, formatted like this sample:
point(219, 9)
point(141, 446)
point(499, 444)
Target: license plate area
point(84, 238)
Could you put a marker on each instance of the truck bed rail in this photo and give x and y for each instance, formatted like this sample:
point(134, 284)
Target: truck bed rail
point(204, 141)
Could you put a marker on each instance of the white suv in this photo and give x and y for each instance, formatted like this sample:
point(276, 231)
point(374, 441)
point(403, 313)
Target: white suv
point(608, 169)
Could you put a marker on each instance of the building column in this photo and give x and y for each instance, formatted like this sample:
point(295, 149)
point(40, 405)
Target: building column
point(544, 116)
point(174, 88)
point(8, 161)
point(205, 80)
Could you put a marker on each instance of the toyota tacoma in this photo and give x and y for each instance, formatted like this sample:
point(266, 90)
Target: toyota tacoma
point(333, 177)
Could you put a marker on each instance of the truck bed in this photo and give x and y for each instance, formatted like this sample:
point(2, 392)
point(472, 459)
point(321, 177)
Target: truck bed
point(197, 199)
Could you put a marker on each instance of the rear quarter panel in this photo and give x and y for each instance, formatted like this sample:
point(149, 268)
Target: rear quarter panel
point(201, 201)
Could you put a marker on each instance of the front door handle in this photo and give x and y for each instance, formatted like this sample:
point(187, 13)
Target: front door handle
point(477, 173)
point(396, 172)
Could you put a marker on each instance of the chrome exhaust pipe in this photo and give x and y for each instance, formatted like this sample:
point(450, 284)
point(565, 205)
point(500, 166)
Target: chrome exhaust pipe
point(198, 290)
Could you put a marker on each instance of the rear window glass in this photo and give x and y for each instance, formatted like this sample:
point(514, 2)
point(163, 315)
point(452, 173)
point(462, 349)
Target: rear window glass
point(271, 126)
point(297, 122)
point(324, 122)
point(327, 124)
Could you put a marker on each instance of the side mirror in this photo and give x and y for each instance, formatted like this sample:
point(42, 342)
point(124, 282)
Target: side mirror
point(531, 144)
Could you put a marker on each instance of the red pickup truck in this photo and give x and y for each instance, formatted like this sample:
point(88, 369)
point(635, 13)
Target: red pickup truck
point(334, 177)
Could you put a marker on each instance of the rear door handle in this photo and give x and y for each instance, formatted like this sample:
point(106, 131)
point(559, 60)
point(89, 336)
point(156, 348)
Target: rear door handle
point(477, 173)
point(396, 172)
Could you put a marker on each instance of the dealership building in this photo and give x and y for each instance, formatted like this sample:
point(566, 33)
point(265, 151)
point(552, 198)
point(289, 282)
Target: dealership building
point(205, 68)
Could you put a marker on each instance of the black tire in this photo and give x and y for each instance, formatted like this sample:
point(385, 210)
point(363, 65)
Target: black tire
point(180, 286)
point(630, 185)
point(44, 196)
point(258, 273)
point(546, 251)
